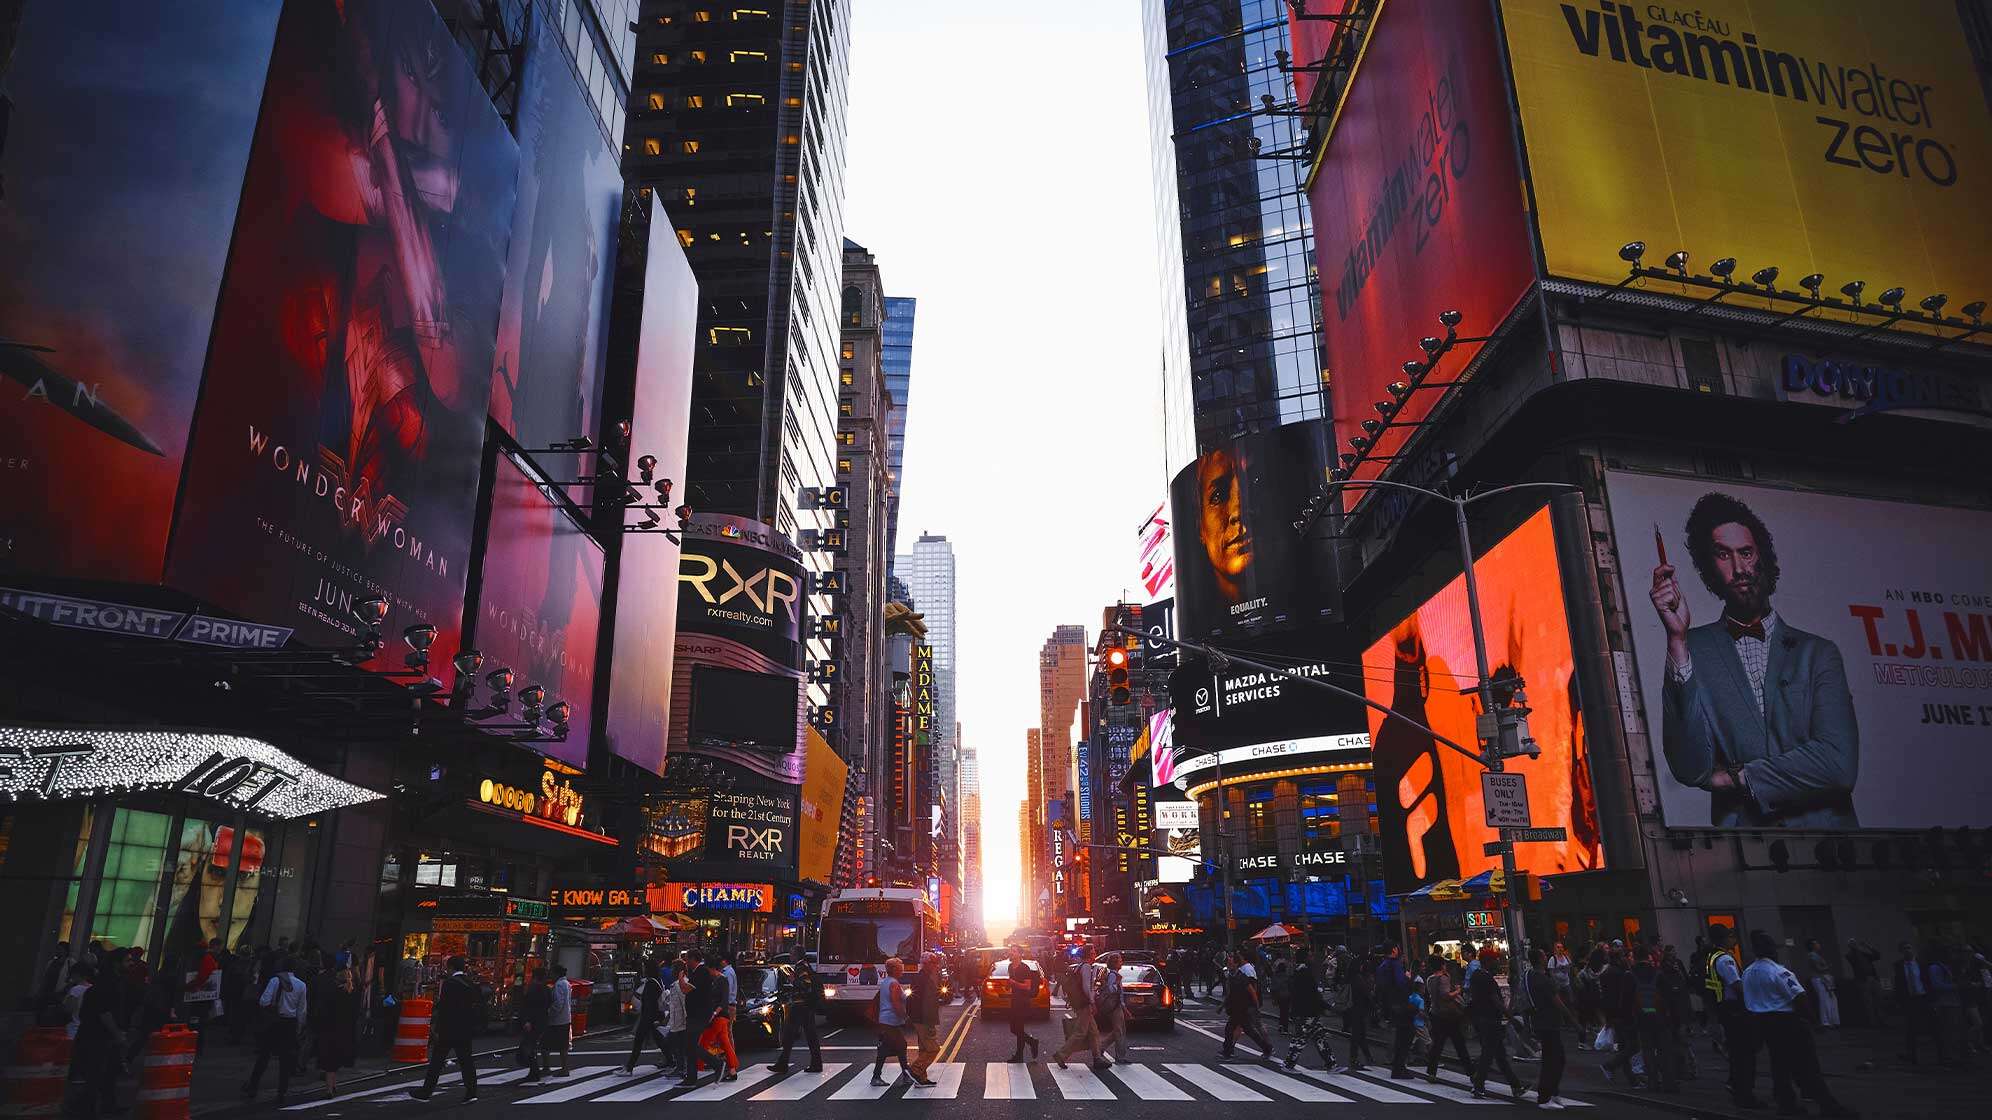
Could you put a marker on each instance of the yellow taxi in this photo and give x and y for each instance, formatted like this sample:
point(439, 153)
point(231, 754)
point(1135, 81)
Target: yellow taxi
point(996, 990)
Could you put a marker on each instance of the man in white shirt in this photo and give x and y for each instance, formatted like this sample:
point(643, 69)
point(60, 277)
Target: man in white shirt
point(560, 1017)
point(283, 997)
point(1771, 994)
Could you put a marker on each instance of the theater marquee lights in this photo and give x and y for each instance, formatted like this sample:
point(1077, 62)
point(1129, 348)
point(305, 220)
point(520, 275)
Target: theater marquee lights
point(237, 771)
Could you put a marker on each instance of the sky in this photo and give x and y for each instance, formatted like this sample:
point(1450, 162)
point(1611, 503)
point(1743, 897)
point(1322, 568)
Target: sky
point(998, 170)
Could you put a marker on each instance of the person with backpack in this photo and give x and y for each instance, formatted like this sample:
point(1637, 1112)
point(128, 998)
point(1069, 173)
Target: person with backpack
point(1241, 1009)
point(650, 1012)
point(1310, 1011)
point(1024, 981)
point(1081, 983)
point(1110, 1008)
point(1393, 992)
point(283, 1002)
point(673, 1016)
point(454, 1023)
point(1445, 1008)
point(1488, 1012)
point(1652, 1021)
point(800, 992)
point(923, 1008)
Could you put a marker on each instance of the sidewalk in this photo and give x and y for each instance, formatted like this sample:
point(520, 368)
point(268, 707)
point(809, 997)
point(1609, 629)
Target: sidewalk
point(223, 1067)
point(1862, 1067)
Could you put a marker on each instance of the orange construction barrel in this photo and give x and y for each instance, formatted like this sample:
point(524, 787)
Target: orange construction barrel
point(166, 1074)
point(35, 1079)
point(411, 1031)
point(581, 991)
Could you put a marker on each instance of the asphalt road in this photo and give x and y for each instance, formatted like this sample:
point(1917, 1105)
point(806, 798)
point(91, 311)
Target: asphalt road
point(1174, 1074)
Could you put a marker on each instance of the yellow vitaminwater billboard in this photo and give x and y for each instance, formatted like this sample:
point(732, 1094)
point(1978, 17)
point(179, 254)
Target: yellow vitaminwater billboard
point(1849, 139)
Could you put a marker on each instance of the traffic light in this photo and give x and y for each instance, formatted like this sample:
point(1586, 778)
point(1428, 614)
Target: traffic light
point(1117, 684)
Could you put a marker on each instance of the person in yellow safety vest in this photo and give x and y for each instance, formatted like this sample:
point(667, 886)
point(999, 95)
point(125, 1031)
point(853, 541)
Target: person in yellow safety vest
point(1739, 1036)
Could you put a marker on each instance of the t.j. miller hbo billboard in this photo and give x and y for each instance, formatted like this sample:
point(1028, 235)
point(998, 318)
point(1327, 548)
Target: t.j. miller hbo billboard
point(1809, 660)
point(1846, 139)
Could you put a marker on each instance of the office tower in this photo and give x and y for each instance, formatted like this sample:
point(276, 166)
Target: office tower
point(971, 835)
point(1061, 686)
point(1241, 304)
point(929, 571)
point(737, 123)
point(863, 731)
point(899, 312)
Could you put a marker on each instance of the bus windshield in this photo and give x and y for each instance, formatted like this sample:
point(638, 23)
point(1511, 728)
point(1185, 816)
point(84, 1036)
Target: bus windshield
point(869, 939)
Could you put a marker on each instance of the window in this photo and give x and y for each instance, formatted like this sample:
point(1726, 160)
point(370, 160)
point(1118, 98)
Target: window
point(695, 101)
point(843, 466)
point(699, 57)
point(685, 238)
point(747, 56)
point(689, 147)
point(848, 439)
point(660, 59)
point(652, 146)
point(846, 407)
point(701, 17)
point(749, 13)
point(792, 140)
point(850, 351)
point(745, 100)
point(730, 336)
point(846, 377)
point(656, 101)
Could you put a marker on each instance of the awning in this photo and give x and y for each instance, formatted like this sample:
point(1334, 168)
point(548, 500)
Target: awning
point(55, 764)
point(1442, 890)
point(1493, 881)
point(1275, 932)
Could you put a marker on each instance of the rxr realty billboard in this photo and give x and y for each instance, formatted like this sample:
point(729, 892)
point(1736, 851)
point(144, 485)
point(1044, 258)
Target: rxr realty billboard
point(1809, 660)
point(1847, 139)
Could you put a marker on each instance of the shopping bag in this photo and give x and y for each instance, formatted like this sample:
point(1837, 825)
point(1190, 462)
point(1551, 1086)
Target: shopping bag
point(1605, 1040)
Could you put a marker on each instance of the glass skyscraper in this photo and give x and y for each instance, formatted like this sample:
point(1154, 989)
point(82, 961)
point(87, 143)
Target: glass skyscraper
point(1241, 350)
point(897, 357)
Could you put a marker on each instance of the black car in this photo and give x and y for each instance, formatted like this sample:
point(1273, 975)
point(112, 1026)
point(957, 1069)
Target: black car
point(1147, 998)
point(762, 1015)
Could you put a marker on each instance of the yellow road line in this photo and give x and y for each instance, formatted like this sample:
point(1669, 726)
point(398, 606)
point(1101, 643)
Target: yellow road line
point(959, 1036)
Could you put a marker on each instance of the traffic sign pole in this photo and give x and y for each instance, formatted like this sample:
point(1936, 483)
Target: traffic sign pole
point(1490, 745)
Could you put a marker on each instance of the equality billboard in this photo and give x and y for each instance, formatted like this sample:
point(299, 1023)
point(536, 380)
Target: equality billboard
point(639, 709)
point(1417, 206)
point(340, 431)
point(1429, 798)
point(740, 601)
point(123, 158)
point(539, 608)
point(1808, 660)
point(1241, 568)
point(1851, 140)
point(553, 323)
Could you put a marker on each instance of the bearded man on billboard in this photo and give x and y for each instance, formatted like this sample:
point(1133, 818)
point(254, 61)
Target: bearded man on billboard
point(1755, 710)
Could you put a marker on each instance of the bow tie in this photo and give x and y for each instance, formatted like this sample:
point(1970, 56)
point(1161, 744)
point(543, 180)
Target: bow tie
point(1741, 630)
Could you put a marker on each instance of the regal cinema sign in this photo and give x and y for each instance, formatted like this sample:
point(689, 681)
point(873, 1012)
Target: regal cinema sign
point(556, 799)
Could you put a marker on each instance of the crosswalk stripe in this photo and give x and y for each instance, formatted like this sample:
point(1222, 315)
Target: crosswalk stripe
point(749, 1077)
point(1458, 1078)
point(1213, 1082)
point(641, 1090)
point(1298, 1090)
point(1147, 1084)
point(448, 1079)
point(946, 1078)
point(1445, 1091)
point(1007, 1082)
point(587, 1079)
point(1382, 1094)
point(802, 1084)
point(1077, 1083)
point(860, 1088)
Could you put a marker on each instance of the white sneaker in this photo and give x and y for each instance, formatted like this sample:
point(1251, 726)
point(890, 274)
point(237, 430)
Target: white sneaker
point(1552, 1103)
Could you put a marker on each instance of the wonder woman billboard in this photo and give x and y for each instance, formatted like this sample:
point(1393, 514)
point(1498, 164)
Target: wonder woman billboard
point(122, 161)
point(337, 442)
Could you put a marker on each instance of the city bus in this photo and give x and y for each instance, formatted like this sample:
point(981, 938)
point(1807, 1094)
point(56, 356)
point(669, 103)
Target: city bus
point(861, 928)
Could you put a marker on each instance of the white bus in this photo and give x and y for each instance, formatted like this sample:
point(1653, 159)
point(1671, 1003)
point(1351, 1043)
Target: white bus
point(861, 928)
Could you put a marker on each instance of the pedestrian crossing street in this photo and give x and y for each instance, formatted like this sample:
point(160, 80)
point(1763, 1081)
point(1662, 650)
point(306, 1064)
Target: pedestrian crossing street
point(851, 1081)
